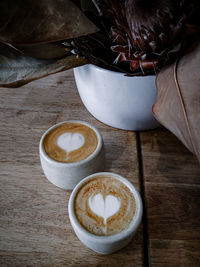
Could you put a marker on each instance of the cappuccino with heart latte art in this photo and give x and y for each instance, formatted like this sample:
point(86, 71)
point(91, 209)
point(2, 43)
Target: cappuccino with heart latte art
point(70, 142)
point(104, 206)
point(70, 151)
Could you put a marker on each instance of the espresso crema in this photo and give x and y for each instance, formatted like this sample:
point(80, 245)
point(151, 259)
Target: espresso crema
point(70, 142)
point(104, 206)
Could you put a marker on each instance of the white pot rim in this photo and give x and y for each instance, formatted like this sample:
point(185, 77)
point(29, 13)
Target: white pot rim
point(118, 73)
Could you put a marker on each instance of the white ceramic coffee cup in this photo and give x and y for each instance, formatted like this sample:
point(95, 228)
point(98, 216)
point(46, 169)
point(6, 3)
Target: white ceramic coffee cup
point(111, 243)
point(67, 175)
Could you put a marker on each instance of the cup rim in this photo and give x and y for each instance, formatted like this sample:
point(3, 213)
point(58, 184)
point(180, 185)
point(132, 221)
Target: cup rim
point(76, 163)
point(111, 238)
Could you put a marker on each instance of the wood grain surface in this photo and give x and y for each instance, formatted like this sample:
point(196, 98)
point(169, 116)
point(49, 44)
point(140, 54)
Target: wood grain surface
point(172, 191)
point(34, 224)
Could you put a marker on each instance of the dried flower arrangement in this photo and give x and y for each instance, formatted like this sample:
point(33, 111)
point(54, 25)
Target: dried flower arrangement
point(136, 37)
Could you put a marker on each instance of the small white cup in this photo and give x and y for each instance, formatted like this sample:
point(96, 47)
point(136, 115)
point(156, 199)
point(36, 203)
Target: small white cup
point(111, 243)
point(67, 175)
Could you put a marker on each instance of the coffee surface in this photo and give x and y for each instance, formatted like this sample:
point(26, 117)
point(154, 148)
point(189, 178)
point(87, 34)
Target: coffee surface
point(104, 206)
point(70, 142)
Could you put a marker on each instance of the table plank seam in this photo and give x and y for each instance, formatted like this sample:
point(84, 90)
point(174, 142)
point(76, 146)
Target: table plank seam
point(142, 191)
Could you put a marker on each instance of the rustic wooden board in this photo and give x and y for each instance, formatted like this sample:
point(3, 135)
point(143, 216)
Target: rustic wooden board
point(34, 224)
point(172, 190)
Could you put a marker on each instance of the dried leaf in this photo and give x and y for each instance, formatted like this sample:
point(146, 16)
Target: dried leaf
point(178, 103)
point(17, 69)
point(32, 22)
point(44, 51)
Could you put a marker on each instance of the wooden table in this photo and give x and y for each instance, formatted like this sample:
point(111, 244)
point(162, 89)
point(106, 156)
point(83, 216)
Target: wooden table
point(34, 224)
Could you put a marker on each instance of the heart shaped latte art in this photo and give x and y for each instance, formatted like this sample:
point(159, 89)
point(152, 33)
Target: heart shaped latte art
point(104, 207)
point(70, 142)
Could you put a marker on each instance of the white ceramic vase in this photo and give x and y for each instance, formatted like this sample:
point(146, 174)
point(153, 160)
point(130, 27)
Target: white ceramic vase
point(117, 100)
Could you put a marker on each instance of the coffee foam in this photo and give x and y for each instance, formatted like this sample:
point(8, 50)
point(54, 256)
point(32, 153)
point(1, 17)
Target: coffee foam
point(104, 206)
point(70, 142)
